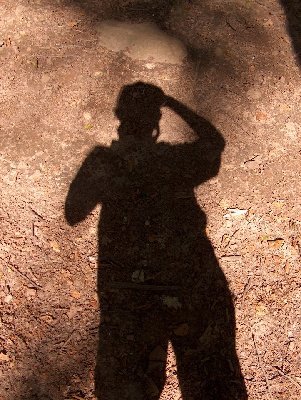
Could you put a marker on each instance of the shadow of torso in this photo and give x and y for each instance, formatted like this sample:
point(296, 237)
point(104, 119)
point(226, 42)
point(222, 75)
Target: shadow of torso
point(150, 218)
point(152, 229)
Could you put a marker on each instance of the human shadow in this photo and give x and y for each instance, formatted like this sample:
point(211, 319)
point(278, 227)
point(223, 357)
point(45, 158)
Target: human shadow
point(159, 280)
point(292, 10)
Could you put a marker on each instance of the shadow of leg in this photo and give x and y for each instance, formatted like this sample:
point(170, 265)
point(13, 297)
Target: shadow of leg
point(131, 355)
point(118, 359)
point(208, 367)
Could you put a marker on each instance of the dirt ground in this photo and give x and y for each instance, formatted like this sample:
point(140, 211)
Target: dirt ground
point(235, 64)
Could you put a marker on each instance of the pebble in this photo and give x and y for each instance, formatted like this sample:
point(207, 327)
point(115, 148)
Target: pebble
point(87, 116)
point(8, 299)
point(4, 357)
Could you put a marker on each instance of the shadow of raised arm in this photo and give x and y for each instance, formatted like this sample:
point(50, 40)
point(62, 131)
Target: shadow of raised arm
point(205, 131)
point(201, 159)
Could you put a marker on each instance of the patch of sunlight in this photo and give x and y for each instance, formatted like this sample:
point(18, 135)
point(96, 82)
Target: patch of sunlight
point(171, 383)
point(141, 41)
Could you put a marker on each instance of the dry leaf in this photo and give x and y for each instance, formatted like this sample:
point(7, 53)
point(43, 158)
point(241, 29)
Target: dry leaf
point(237, 212)
point(275, 243)
point(278, 204)
point(261, 310)
point(55, 246)
point(72, 24)
point(88, 126)
point(75, 294)
point(138, 276)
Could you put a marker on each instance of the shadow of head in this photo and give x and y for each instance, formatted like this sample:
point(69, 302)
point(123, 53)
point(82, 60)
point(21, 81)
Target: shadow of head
point(139, 111)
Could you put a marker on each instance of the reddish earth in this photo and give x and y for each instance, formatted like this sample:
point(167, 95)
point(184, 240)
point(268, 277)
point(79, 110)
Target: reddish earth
point(136, 270)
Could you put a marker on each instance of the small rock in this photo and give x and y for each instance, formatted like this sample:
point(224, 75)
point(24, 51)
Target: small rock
point(150, 65)
point(268, 23)
point(87, 116)
point(72, 312)
point(4, 357)
point(8, 299)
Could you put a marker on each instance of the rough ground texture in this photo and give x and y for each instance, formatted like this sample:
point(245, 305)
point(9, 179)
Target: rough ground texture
point(59, 88)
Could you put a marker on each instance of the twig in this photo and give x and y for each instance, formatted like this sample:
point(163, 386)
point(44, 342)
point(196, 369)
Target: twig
point(24, 276)
point(291, 379)
point(36, 213)
point(229, 238)
point(229, 24)
point(245, 289)
point(141, 286)
point(262, 368)
point(68, 339)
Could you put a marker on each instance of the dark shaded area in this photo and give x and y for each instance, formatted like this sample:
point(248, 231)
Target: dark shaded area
point(151, 221)
point(292, 9)
point(200, 49)
point(156, 11)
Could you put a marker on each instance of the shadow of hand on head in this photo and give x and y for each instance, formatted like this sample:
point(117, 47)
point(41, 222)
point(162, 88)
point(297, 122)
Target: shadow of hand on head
point(152, 229)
